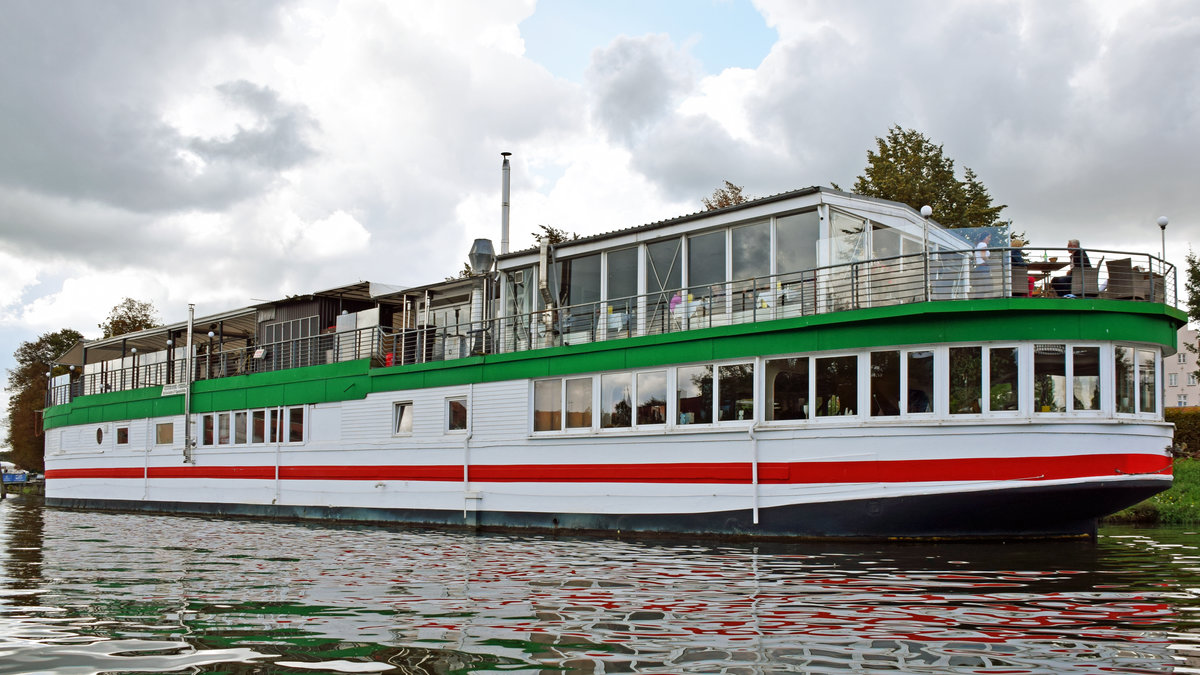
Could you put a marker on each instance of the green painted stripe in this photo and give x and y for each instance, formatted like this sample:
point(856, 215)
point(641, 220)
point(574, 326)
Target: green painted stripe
point(921, 323)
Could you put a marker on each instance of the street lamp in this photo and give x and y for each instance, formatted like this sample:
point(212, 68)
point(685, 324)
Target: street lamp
point(1162, 225)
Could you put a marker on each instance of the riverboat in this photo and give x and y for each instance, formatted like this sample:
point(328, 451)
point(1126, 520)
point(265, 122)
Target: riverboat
point(810, 364)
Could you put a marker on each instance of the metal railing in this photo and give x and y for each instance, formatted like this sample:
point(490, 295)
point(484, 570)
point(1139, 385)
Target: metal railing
point(879, 282)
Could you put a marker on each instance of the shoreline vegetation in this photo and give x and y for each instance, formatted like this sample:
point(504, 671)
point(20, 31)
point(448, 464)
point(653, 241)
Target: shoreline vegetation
point(1178, 506)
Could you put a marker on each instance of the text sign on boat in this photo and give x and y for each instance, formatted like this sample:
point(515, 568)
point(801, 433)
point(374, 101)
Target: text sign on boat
point(174, 389)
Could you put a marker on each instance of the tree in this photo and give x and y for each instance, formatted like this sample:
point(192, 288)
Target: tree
point(907, 167)
point(1192, 285)
point(27, 384)
point(129, 316)
point(727, 196)
point(556, 235)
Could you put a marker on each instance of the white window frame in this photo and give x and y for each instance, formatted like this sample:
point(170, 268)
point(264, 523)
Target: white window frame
point(446, 411)
point(397, 412)
point(159, 425)
point(117, 435)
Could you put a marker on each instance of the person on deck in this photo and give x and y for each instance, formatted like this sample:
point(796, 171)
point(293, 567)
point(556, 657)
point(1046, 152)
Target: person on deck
point(1079, 259)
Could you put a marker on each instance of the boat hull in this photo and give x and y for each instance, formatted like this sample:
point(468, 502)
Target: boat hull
point(1040, 511)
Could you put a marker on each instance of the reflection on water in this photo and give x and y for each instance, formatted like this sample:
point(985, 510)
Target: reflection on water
point(94, 592)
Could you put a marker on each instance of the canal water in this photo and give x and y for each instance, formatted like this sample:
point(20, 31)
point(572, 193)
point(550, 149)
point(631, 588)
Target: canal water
point(85, 592)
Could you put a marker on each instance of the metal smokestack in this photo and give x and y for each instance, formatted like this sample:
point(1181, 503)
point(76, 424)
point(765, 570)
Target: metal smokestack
point(505, 171)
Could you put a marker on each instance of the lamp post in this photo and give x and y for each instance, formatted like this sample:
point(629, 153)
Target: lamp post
point(1162, 225)
point(926, 211)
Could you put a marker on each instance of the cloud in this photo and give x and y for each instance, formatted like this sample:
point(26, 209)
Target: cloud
point(635, 82)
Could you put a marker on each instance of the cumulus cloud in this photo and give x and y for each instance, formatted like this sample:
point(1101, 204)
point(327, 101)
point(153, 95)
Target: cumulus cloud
point(635, 82)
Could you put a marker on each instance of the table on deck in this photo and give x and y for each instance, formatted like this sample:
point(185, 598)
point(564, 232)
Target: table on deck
point(1043, 269)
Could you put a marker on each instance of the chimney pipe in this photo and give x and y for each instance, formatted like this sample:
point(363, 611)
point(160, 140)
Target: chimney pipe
point(504, 204)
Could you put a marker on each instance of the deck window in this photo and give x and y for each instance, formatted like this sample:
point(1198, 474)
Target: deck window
point(885, 383)
point(751, 251)
point(1085, 378)
point(621, 279)
point(1124, 384)
point(837, 385)
point(735, 392)
point(206, 433)
point(164, 433)
point(694, 394)
point(1146, 381)
point(796, 242)
point(456, 414)
point(295, 425)
point(223, 429)
point(579, 403)
point(966, 380)
point(1004, 379)
point(1049, 378)
point(122, 435)
point(706, 267)
point(616, 400)
point(787, 386)
point(919, 381)
point(547, 405)
point(402, 418)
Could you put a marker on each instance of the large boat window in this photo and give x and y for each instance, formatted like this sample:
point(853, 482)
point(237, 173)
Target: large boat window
point(1146, 381)
point(456, 414)
point(239, 428)
point(295, 425)
point(258, 426)
point(206, 434)
point(751, 251)
point(1004, 380)
point(621, 279)
point(579, 403)
point(735, 387)
point(966, 380)
point(706, 269)
point(885, 383)
point(787, 388)
point(796, 242)
point(1085, 378)
point(1123, 374)
point(547, 405)
point(616, 400)
point(276, 425)
point(223, 429)
point(652, 397)
point(885, 242)
point(919, 364)
point(664, 274)
point(1049, 378)
point(694, 400)
point(837, 385)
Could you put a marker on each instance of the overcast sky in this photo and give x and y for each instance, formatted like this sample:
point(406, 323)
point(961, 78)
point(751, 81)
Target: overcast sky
point(220, 152)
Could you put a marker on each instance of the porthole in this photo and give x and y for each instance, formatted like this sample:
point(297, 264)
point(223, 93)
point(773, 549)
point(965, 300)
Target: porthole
point(99, 436)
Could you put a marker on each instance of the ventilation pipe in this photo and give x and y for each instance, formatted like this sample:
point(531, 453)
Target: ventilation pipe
point(504, 190)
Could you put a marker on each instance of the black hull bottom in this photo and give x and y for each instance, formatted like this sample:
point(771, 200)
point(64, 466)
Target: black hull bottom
point(1028, 512)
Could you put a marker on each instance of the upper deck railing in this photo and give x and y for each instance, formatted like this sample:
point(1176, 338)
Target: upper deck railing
point(896, 280)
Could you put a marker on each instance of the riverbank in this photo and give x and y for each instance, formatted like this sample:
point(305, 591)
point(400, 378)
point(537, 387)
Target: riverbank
point(1178, 506)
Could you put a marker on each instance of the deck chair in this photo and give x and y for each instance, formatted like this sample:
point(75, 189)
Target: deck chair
point(1120, 281)
point(1085, 281)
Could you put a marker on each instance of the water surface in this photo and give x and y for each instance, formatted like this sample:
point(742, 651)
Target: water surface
point(87, 592)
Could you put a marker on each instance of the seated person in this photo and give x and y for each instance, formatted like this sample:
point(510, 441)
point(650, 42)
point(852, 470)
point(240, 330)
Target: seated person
point(1079, 258)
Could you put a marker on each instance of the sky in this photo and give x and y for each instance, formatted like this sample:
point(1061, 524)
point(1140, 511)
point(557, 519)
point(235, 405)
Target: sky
point(229, 151)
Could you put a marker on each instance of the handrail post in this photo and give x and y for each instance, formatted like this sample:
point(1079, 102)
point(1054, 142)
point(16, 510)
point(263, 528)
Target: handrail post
point(925, 260)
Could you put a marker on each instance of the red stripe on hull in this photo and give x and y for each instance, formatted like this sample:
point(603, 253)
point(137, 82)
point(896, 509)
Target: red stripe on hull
point(894, 471)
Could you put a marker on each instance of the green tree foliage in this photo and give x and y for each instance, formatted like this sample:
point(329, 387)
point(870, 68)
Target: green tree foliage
point(907, 167)
point(27, 384)
point(1192, 286)
point(556, 235)
point(129, 316)
point(727, 196)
